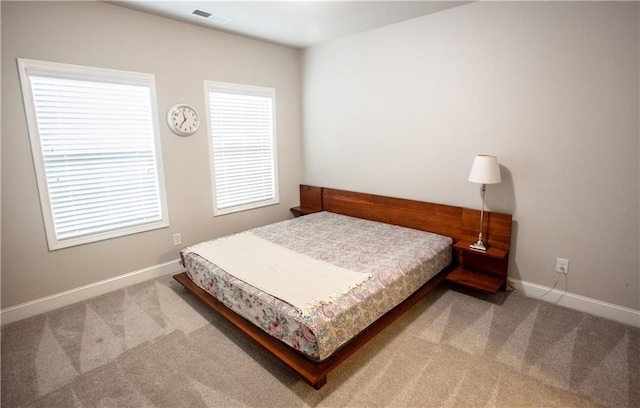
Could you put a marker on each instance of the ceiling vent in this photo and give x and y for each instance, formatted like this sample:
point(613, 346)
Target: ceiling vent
point(214, 18)
point(201, 13)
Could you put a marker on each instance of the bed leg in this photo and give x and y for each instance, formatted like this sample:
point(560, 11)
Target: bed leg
point(320, 383)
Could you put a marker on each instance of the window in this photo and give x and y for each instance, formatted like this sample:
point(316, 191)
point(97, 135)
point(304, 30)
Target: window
point(96, 150)
point(242, 146)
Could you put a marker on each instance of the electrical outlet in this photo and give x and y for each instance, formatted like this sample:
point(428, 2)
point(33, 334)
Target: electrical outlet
point(562, 266)
point(177, 239)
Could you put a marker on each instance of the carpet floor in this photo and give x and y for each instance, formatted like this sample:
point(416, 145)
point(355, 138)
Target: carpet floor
point(155, 345)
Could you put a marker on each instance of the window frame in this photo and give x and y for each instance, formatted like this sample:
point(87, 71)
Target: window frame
point(30, 67)
point(249, 90)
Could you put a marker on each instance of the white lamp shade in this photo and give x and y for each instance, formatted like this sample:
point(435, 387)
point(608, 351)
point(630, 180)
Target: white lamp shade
point(485, 170)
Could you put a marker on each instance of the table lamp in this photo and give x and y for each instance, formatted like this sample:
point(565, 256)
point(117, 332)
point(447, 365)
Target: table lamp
point(485, 170)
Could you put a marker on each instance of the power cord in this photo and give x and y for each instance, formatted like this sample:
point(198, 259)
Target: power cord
point(554, 286)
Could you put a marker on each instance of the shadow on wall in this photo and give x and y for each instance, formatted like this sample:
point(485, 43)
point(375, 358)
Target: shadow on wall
point(513, 271)
point(502, 198)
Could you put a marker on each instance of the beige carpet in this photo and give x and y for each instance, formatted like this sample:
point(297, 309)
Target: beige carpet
point(153, 344)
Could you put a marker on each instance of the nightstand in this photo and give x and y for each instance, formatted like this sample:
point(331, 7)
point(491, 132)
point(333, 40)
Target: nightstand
point(485, 271)
point(301, 210)
point(310, 201)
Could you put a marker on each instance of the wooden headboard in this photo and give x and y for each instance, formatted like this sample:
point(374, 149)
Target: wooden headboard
point(461, 224)
point(438, 218)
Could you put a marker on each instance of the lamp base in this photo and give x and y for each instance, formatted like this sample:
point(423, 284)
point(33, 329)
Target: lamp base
point(478, 246)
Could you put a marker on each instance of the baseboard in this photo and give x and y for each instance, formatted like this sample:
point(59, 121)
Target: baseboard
point(595, 307)
point(12, 314)
point(46, 304)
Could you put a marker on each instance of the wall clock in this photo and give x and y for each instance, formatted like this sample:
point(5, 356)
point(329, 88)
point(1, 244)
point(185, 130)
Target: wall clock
point(183, 120)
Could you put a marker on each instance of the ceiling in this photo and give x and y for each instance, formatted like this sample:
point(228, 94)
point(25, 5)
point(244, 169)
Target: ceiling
point(297, 24)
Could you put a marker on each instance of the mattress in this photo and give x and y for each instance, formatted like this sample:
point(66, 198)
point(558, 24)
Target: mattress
point(396, 260)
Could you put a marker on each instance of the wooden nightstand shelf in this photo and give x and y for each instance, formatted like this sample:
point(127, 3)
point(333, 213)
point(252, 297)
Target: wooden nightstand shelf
point(485, 271)
point(310, 201)
point(302, 210)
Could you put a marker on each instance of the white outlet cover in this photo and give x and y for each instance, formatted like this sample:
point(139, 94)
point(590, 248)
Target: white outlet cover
point(562, 265)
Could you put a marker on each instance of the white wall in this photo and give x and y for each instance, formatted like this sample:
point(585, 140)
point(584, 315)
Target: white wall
point(551, 88)
point(181, 56)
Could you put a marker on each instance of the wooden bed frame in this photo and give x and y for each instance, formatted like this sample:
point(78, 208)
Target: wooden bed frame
point(441, 219)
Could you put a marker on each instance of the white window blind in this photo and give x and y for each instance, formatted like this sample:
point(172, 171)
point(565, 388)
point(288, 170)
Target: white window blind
point(243, 146)
point(95, 147)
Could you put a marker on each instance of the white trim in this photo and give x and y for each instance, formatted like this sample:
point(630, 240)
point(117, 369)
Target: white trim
point(595, 307)
point(49, 303)
point(27, 69)
point(248, 90)
point(12, 314)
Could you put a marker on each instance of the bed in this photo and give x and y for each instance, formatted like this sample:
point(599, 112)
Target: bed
point(380, 255)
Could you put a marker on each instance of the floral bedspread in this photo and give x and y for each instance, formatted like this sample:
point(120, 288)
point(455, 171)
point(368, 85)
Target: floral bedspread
point(399, 259)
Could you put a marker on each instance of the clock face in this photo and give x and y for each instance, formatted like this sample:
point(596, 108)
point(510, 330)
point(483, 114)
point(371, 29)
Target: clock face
point(183, 120)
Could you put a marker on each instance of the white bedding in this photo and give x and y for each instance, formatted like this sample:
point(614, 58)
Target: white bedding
point(295, 278)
